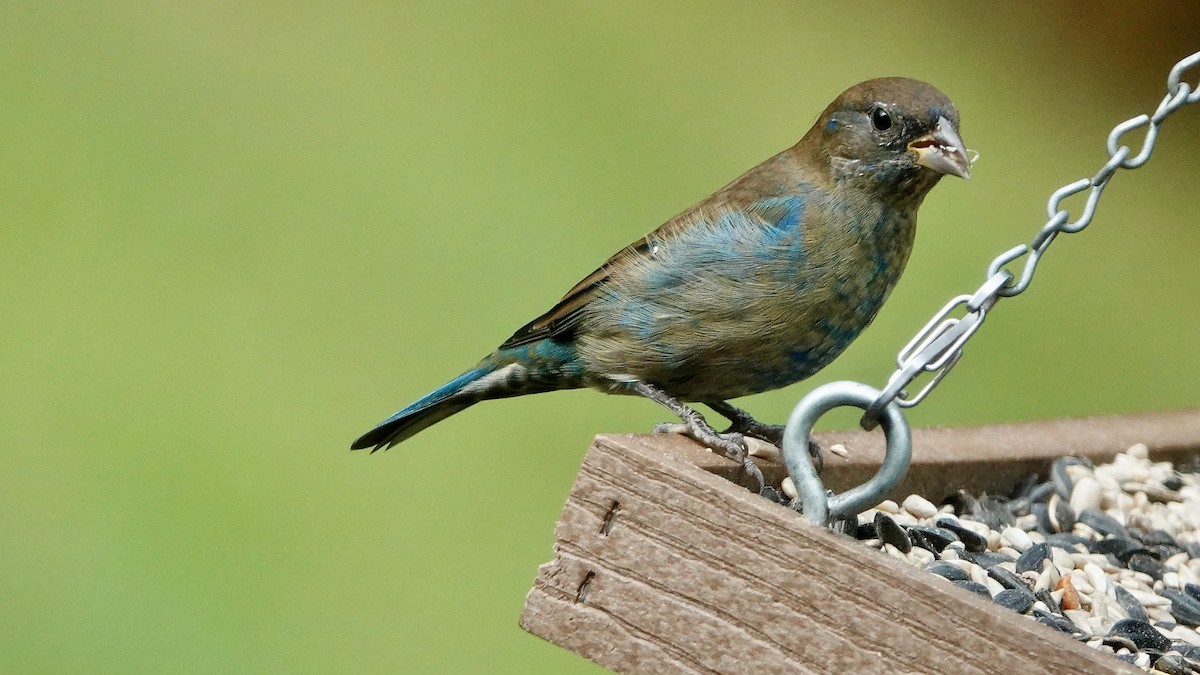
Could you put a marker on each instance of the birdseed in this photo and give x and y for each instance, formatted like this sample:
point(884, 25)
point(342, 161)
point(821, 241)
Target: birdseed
point(1109, 554)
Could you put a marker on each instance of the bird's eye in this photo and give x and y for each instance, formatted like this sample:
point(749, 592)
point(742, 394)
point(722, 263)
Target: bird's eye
point(881, 119)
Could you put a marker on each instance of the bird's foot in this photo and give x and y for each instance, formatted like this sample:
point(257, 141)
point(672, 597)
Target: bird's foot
point(740, 422)
point(771, 433)
point(731, 446)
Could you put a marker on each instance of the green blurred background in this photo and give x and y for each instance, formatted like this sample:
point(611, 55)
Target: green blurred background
point(238, 235)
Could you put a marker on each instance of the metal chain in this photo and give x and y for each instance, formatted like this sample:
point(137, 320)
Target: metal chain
point(938, 346)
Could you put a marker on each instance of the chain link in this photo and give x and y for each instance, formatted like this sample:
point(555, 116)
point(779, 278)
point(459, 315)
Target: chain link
point(938, 346)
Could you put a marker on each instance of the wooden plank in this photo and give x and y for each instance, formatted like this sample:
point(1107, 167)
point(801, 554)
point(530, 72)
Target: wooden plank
point(991, 457)
point(663, 566)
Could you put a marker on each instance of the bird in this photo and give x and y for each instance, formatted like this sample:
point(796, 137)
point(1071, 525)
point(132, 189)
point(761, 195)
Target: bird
point(756, 287)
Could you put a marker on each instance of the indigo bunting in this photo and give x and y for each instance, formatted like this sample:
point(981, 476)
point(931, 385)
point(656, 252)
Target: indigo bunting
point(756, 287)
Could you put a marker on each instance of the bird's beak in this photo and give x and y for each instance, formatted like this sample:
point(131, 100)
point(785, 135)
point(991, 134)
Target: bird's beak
point(942, 150)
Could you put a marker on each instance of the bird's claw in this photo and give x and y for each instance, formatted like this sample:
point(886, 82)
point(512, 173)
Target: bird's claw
point(731, 446)
point(771, 433)
point(814, 451)
point(742, 423)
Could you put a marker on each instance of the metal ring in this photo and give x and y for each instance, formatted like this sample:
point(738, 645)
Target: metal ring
point(1176, 74)
point(820, 507)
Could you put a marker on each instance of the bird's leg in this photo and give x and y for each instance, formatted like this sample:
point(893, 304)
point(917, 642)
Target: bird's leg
point(731, 446)
point(741, 422)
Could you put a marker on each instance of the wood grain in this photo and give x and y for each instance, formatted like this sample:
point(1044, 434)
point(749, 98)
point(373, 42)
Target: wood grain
point(661, 565)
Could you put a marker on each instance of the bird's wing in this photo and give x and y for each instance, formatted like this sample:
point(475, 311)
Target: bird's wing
point(560, 321)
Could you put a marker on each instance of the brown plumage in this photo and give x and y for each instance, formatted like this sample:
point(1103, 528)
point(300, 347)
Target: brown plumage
point(756, 287)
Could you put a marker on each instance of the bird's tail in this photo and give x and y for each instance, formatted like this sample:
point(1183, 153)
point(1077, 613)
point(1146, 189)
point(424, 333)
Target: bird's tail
point(498, 376)
point(452, 397)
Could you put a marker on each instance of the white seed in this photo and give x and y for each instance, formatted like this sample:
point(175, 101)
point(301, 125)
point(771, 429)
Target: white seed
point(1129, 471)
point(789, 488)
point(1194, 566)
point(1126, 579)
point(1188, 635)
point(1079, 618)
point(1085, 494)
point(1077, 471)
point(1062, 559)
point(978, 575)
point(1081, 583)
point(993, 540)
point(919, 506)
point(964, 565)
point(1049, 577)
point(975, 526)
point(1010, 552)
point(1149, 600)
point(1113, 611)
point(1016, 538)
point(839, 450)
point(1143, 578)
point(762, 449)
point(1124, 503)
point(1027, 523)
point(1094, 604)
point(1085, 601)
point(1159, 614)
point(1096, 577)
point(888, 506)
point(920, 557)
point(1053, 508)
point(1186, 576)
point(993, 586)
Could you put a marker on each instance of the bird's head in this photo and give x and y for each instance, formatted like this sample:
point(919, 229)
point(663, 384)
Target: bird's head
point(891, 135)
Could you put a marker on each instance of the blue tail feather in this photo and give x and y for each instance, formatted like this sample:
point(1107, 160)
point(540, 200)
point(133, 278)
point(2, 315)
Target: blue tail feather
point(428, 410)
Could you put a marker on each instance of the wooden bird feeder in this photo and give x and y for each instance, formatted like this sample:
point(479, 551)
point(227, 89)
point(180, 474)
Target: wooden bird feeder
point(662, 564)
